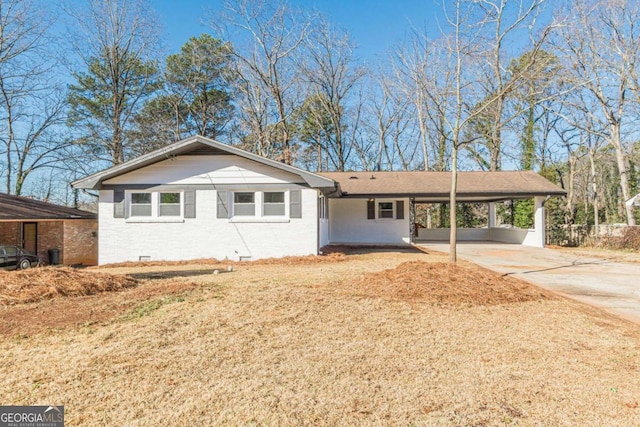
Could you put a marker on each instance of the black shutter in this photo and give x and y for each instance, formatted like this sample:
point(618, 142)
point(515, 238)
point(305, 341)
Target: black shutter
point(400, 209)
point(371, 209)
point(295, 204)
point(118, 203)
point(190, 203)
point(223, 209)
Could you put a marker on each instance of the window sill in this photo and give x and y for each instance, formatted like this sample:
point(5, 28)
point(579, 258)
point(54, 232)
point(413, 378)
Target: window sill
point(168, 220)
point(259, 220)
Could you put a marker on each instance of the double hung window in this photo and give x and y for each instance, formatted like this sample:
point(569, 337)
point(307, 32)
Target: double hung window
point(273, 203)
point(155, 205)
point(169, 204)
point(244, 204)
point(257, 204)
point(385, 210)
point(141, 204)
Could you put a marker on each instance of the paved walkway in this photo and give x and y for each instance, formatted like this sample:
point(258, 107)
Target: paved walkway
point(597, 281)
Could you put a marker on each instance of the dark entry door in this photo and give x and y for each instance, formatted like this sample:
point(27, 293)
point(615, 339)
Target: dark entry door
point(30, 236)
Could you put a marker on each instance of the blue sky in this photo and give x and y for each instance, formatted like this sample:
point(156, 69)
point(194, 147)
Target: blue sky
point(374, 25)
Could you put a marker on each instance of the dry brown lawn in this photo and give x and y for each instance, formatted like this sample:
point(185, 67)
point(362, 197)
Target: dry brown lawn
point(387, 337)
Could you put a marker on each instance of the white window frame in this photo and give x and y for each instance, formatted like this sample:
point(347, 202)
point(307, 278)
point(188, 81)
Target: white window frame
point(255, 203)
point(323, 207)
point(180, 204)
point(379, 210)
point(283, 203)
point(131, 204)
point(259, 215)
point(155, 207)
point(394, 208)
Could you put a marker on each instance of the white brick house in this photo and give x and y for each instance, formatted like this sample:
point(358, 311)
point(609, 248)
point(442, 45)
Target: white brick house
point(199, 198)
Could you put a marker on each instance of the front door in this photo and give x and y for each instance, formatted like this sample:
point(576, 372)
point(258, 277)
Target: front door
point(30, 236)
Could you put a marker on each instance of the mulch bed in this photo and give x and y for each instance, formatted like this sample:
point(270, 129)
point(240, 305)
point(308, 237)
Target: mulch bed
point(327, 257)
point(446, 284)
point(19, 287)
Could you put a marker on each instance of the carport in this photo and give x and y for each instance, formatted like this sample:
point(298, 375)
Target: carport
point(490, 188)
point(422, 187)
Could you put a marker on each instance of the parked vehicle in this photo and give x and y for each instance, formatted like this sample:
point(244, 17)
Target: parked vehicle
point(13, 258)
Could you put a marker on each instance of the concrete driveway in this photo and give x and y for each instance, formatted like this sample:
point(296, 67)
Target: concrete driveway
point(601, 282)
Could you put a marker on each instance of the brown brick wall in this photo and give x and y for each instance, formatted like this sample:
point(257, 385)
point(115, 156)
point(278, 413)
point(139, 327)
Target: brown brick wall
point(77, 240)
point(50, 236)
point(10, 233)
point(80, 242)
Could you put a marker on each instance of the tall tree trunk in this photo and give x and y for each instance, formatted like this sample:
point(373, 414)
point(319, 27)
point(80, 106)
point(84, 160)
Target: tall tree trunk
point(453, 226)
point(622, 170)
point(596, 213)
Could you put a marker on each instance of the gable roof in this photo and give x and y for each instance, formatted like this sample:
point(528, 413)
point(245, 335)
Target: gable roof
point(23, 208)
point(195, 145)
point(435, 186)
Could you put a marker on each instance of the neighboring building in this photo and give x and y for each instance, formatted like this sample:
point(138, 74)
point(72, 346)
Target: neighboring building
point(40, 227)
point(199, 198)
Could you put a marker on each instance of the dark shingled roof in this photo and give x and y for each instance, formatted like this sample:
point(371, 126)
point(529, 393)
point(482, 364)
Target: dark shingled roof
point(23, 208)
point(435, 186)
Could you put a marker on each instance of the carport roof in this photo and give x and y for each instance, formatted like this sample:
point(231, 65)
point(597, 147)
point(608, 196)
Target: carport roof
point(24, 208)
point(435, 186)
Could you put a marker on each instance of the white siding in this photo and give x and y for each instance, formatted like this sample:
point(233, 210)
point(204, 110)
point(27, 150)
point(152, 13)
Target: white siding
point(324, 232)
point(348, 223)
point(186, 170)
point(205, 236)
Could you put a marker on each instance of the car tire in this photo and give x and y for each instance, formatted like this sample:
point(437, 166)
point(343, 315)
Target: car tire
point(24, 264)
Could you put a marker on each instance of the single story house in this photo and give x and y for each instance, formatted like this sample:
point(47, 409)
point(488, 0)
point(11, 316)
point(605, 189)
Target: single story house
point(40, 227)
point(198, 198)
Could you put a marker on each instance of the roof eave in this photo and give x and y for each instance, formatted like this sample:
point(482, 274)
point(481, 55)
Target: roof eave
point(94, 182)
point(489, 196)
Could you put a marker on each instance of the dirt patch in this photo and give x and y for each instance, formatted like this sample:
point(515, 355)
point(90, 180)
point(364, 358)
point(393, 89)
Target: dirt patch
point(59, 313)
point(446, 284)
point(19, 287)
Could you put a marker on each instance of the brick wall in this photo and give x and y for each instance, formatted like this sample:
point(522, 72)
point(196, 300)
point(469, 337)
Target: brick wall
point(10, 233)
point(80, 242)
point(50, 236)
point(77, 240)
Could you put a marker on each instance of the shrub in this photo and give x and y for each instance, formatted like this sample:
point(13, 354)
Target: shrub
point(628, 240)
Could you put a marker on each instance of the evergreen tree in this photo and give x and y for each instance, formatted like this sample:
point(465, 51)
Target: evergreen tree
point(104, 99)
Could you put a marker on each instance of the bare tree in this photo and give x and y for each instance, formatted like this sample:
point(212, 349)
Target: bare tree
point(466, 100)
point(420, 68)
point(601, 50)
point(500, 21)
point(116, 41)
point(30, 103)
point(266, 37)
point(391, 121)
point(332, 74)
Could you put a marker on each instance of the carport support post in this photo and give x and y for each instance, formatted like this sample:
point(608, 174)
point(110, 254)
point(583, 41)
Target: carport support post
point(539, 221)
point(492, 215)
